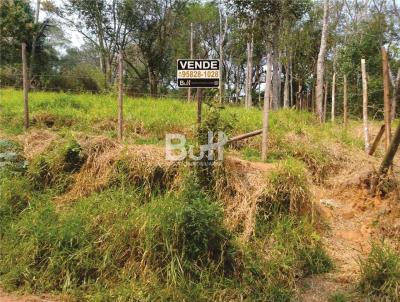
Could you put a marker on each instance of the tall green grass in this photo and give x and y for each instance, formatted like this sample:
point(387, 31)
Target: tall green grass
point(380, 273)
point(150, 118)
point(121, 245)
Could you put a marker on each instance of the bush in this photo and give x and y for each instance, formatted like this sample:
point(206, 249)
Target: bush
point(380, 273)
point(287, 191)
point(54, 168)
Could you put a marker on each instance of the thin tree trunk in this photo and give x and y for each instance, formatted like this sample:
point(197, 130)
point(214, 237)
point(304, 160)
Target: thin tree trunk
point(259, 88)
point(222, 33)
point(189, 96)
point(396, 95)
point(249, 78)
point(321, 61)
point(120, 96)
point(264, 147)
point(325, 100)
point(275, 73)
point(333, 97)
point(33, 51)
point(25, 85)
point(246, 81)
point(386, 97)
point(298, 98)
point(286, 88)
point(279, 81)
point(345, 101)
point(237, 79)
point(365, 104)
point(291, 82)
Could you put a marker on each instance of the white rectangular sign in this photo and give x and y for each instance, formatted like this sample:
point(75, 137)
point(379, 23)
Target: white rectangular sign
point(198, 73)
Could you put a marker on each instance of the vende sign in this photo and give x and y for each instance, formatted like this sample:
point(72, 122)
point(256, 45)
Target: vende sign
point(198, 73)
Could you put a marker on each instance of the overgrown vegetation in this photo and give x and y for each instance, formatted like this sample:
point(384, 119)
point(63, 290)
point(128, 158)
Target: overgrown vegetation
point(120, 243)
point(380, 273)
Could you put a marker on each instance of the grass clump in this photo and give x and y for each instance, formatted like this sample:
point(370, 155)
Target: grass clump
point(113, 240)
point(338, 297)
point(288, 250)
point(120, 244)
point(54, 167)
point(380, 273)
point(287, 190)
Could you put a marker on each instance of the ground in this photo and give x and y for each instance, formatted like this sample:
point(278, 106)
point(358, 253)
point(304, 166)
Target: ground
point(347, 214)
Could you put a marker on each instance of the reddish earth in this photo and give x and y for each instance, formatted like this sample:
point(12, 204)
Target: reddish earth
point(6, 297)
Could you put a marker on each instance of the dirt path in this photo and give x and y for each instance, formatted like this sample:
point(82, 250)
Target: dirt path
point(6, 297)
point(349, 214)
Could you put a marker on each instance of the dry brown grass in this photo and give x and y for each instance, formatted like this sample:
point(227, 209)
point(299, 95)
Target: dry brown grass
point(36, 142)
point(144, 166)
point(241, 184)
point(50, 120)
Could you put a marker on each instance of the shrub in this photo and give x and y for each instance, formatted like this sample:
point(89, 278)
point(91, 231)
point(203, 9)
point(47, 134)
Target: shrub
point(287, 191)
point(380, 273)
point(54, 168)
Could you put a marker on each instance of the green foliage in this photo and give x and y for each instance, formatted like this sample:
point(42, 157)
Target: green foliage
point(213, 124)
point(287, 191)
point(54, 168)
point(118, 245)
point(338, 297)
point(281, 255)
point(15, 195)
point(380, 273)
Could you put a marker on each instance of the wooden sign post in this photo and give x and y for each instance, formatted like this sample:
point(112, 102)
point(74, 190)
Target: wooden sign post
point(120, 96)
point(25, 86)
point(194, 73)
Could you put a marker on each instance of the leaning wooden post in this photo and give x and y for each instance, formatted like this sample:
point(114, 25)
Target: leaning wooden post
point(390, 153)
point(386, 97)
point(377, 140)
point(345, 101)
point(25, 85)
point(120, 96)
point(264, 147)
point(333, 97)
point(365, 104)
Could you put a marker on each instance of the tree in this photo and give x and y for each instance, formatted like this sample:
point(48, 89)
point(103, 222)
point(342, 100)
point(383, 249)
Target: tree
point(104, 23)
point(321, 62)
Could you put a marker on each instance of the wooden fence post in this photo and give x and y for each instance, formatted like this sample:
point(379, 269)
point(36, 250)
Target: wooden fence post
point(25, 85)
point(264, 147)
point(345, 101)
point(365, 104)
point(120, 96)
point(333, 97)
point(189, 96)
point(386, 97)
point(199, 104)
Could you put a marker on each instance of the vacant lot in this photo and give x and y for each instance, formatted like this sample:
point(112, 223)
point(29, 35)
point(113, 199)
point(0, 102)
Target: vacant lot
point(85, 217)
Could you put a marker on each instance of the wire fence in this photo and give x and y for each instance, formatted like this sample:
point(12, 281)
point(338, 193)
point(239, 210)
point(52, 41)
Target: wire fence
point(129, 94)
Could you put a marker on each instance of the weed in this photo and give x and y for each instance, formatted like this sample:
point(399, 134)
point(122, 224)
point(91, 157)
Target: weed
point(338, 297)
point(54, 167)
point(380, 272)
point(287, 191)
